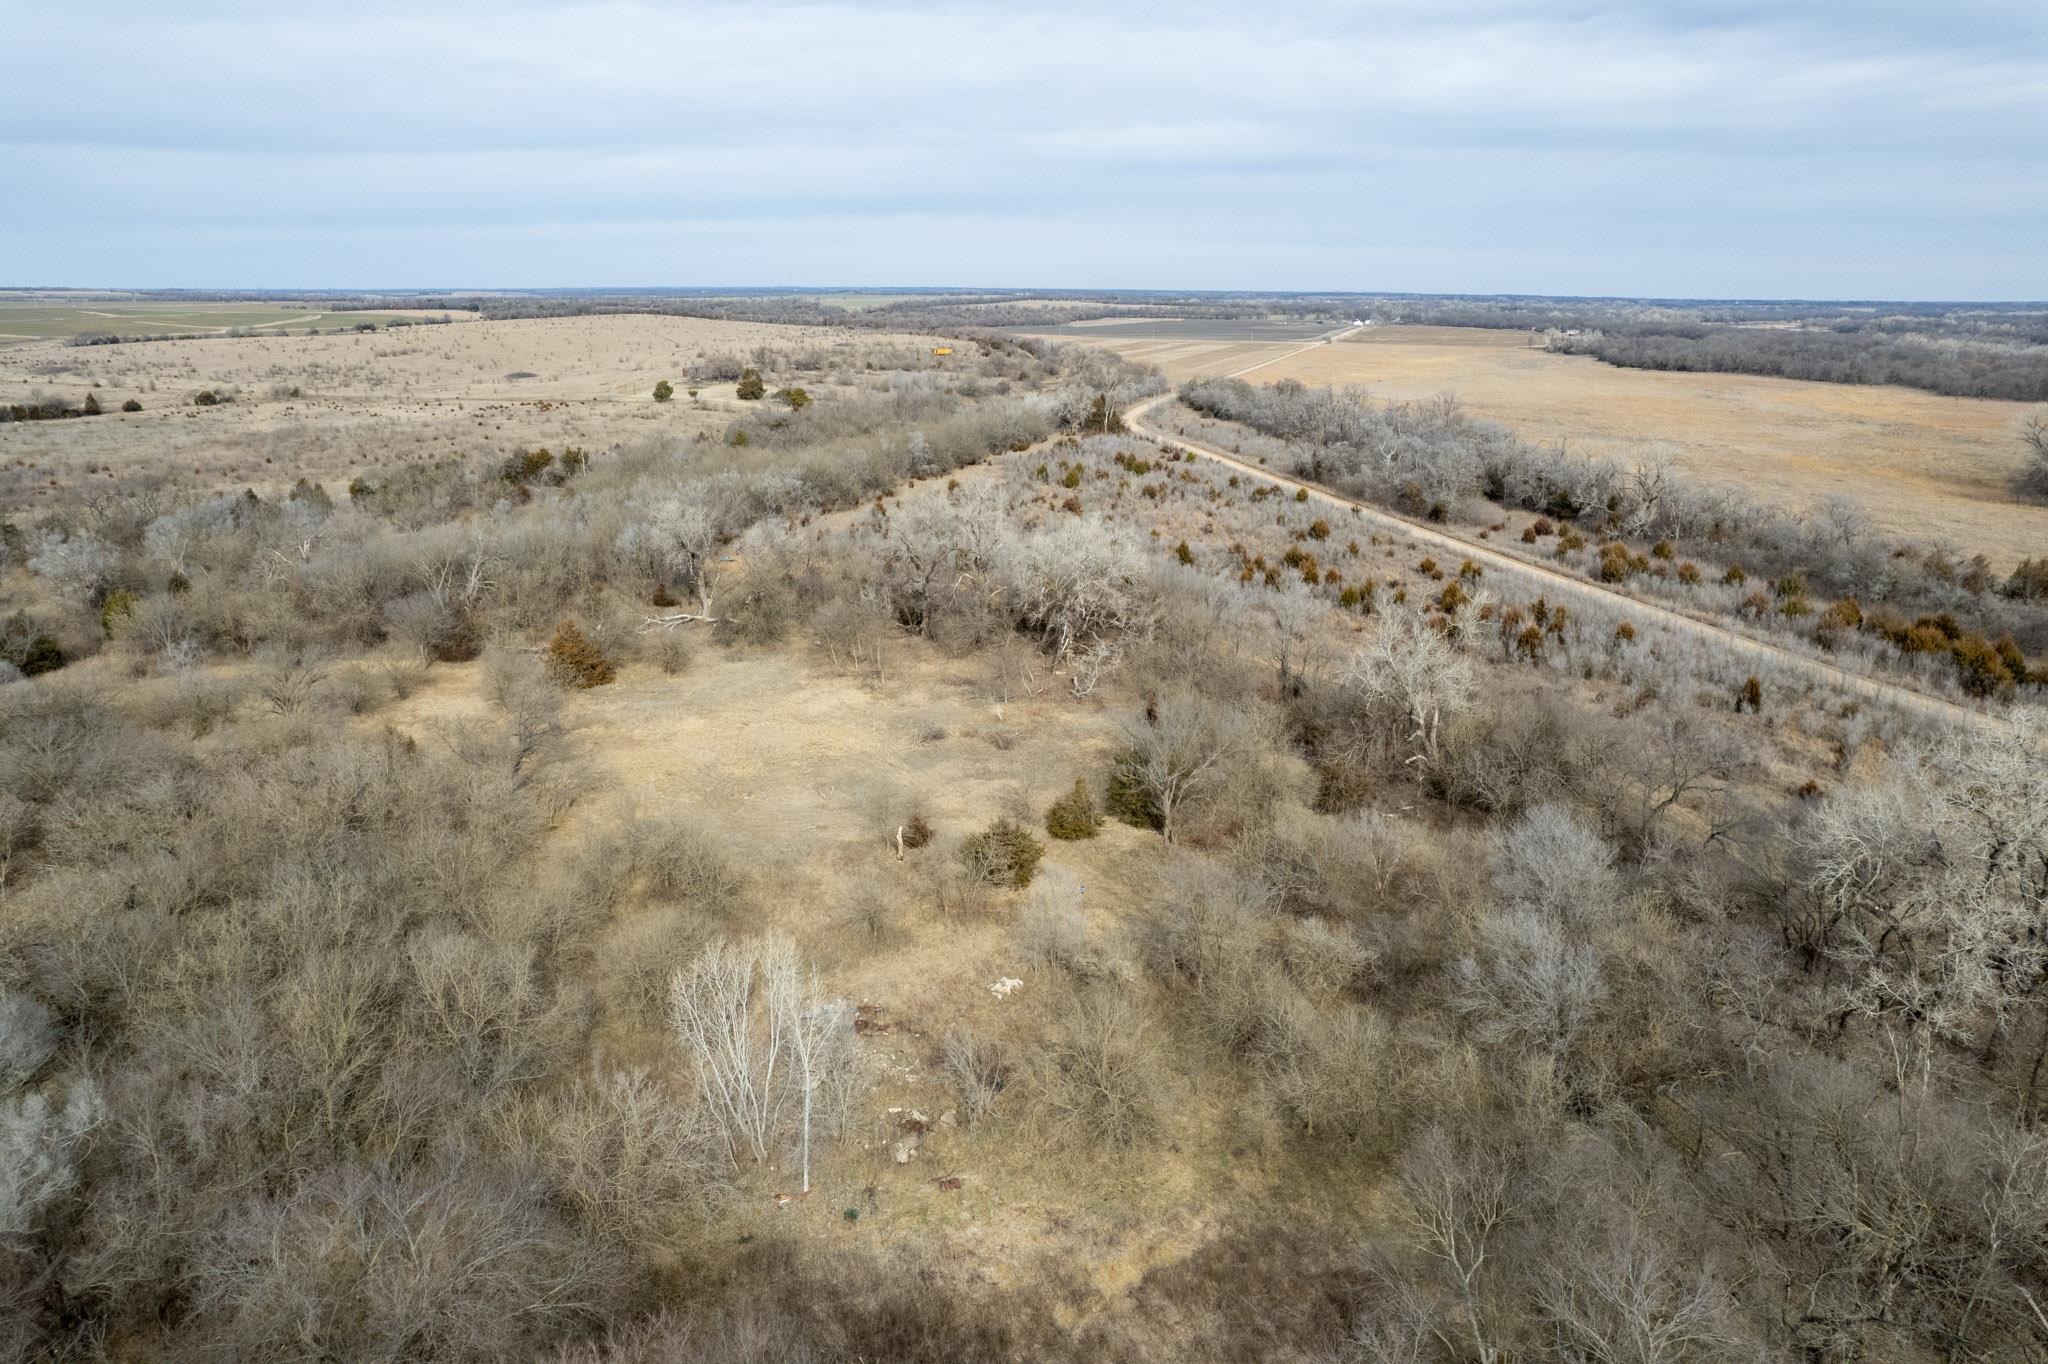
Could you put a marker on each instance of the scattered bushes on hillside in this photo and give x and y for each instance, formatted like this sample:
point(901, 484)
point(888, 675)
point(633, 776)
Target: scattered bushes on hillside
point(1415, 456)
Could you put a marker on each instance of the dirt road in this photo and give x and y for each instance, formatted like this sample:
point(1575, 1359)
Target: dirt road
point(1569, 585)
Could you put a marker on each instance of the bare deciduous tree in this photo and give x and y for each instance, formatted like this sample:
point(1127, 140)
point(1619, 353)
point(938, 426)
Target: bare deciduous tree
point(1459, 1203)
point(1188, 751)
point(1528, 983)
point(1550, 862)
point(2033, 476)
point(40, 1144)
point(1411, 669)
point(1077, 584)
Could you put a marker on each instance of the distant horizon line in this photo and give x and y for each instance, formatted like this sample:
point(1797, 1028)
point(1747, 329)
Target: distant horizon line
point(1021, 291)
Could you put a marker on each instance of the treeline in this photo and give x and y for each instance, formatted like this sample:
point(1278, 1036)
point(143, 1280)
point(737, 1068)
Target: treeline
point(947, 315)
point(1956, 367)
point(236, 333)
point(43, 408)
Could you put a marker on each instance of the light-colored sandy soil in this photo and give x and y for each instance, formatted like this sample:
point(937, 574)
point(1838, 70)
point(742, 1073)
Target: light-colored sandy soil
point(374, 401)
point(1924, 465)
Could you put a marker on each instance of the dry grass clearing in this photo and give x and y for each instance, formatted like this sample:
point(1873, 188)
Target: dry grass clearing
point(802, 770)
point(371, 402)
point(1924, 465)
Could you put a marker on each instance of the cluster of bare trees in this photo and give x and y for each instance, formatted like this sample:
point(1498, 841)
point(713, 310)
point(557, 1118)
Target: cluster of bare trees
point(775, 1059)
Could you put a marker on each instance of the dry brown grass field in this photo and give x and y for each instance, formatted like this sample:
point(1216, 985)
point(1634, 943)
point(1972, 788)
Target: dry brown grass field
point(1924, 465)
point(369, 401)
point(798, 765)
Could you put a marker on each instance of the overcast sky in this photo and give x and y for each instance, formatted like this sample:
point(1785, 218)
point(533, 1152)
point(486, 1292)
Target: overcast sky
point(1844, 148)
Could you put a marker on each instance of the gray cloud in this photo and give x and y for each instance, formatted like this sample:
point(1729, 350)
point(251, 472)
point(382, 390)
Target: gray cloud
point(1823, 149)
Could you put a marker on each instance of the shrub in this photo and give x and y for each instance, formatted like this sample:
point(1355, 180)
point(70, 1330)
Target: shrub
point(917, 831)
point(1319, 529)
point(663, 391)
point(1072, 478)
point(980, 1068)
point(206, 397)
point(1003, 854)
point(131, 406)
point(750, 388)
point(1617, 564)
point(1840, 618)
point(1103, 419)
point(533, 466)
point(92, 405)
point(1985, 666)
point(311, 494)
point(1183, 553)
point(671, 651)
point(576, 662)
point(1096, 1076)
point(1073, 816)
point(1051, 928)
point(2029, 582)
point(1128, 798)
point(119, 605)
point(34, 653)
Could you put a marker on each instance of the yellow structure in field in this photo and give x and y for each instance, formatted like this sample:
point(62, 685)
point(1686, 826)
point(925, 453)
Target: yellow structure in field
point(942, 350)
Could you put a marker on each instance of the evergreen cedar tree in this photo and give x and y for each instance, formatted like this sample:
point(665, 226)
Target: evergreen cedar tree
point(1073, 816)
point(575, 661)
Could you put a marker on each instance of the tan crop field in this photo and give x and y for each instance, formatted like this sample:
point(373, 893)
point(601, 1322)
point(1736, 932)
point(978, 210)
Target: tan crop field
point(1924, 465)
point(41, 317)
point(362, 402)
